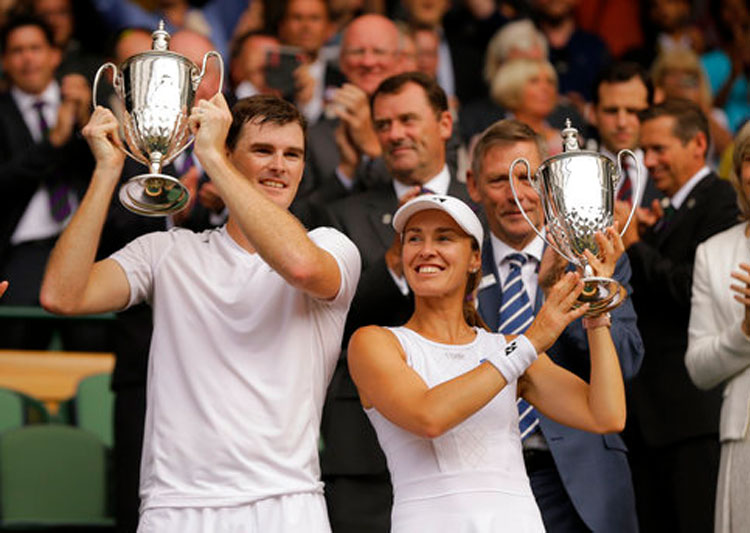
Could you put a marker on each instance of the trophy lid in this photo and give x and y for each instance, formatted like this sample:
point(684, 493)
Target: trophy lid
point(161, 38)
point(570, 137)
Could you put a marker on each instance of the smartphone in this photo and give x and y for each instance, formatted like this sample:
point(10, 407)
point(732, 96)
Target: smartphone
point(281, 63)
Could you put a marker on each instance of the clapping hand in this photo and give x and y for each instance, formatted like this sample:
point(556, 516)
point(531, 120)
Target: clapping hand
point(742, 291)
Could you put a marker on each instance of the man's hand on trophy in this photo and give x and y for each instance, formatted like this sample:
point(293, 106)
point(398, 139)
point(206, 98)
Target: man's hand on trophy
point(611, 247)
point(209, 122)
point(103, 136)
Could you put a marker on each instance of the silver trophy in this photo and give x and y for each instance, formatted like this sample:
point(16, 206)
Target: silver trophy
point(157, 89)
point(577, 192)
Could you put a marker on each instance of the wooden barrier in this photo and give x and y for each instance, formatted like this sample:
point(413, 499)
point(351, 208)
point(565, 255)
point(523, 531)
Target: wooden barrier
point(51, 377)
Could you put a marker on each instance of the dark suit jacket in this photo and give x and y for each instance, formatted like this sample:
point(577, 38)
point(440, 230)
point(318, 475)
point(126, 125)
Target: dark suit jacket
point(351, 447)
point(593, 468)
point(664, 405)
point(25, 165)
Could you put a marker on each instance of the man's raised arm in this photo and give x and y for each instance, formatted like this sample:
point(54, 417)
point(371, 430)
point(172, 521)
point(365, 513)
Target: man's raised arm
point(73, 284)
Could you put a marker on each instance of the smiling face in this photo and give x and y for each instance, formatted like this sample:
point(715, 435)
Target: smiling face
point(437, 255)
point(411, 133)
point(369, 51)
point(272, 158)
point(492, 189)
point(670, 161)
point(539, 94)
point(29, 59)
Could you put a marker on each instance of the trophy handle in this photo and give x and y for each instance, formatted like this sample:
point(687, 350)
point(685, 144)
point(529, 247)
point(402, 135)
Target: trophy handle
point(197, 80)
point(115, 81)
point(532, 180)
point(638, 183)
point(117, 84)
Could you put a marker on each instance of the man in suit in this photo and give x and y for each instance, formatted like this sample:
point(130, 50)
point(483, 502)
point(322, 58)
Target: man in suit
point(343, 152)
point(581, 480)
point(44, 167)
point(672, 429)
point(622, 91)
point(412, 121)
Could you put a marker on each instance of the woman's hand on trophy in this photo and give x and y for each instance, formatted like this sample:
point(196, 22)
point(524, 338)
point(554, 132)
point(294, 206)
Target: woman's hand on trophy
point(611, 247)
point(557, 312)
point(209, 122)
point(103, 136)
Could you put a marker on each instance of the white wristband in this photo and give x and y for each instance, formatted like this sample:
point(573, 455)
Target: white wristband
point(513, 360)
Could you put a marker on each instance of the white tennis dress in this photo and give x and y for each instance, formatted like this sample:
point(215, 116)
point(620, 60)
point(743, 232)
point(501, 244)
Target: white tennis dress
point(472, 478)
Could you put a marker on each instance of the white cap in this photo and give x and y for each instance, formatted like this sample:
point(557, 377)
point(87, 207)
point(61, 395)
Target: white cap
point(458, 211)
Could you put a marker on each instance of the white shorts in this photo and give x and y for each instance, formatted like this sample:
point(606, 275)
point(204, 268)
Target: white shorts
point(291, 513)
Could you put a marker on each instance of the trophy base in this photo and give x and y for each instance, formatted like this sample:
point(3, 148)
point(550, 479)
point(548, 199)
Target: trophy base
point(154, 195)
point(602, 295)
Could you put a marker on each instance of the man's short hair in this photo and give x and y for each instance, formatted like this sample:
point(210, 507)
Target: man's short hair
point(19, 21)
point(689, 118)
point(503, 133)
point(622, 72)
point(263, 109)
point(435, 94)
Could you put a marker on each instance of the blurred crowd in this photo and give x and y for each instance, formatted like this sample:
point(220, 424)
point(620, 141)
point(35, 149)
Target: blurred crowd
point(602, 65)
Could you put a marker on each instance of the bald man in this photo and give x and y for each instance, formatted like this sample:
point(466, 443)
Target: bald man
point(343, 152)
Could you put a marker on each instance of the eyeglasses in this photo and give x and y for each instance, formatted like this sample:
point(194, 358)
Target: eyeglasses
point(359, 53)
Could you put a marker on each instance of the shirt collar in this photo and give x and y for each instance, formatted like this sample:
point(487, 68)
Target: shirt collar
point(682, 193)
point(439, 184)
point(25, 101)
point(501, 250)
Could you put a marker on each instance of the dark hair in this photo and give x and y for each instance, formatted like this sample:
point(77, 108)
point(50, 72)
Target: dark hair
point(621, 72)
point(262, 109)
point(114, 40)
point(19, 21)
point(471, 315)
point(285, 7)
point(689, 118)
point(239, 41)
point(395, 84)
point(503, 132)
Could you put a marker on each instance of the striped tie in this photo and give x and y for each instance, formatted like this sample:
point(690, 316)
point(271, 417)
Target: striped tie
point(516, 315)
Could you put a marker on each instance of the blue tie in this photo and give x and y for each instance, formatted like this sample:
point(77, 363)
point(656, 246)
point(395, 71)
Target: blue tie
point(516, 315)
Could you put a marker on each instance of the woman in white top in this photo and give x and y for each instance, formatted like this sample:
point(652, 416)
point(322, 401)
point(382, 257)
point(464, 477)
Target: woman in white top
point(441, 390)
point(719, 344)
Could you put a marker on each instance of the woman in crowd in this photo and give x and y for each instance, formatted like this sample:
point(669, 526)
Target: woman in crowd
point(527, 90)
point(441, 391)
point(719, 344)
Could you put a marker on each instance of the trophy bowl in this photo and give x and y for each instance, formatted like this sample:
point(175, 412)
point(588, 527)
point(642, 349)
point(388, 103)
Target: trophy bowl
point(577, 192)
point(157, 89)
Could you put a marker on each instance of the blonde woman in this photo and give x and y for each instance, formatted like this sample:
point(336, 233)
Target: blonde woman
point(527, 89)
point(718, 351)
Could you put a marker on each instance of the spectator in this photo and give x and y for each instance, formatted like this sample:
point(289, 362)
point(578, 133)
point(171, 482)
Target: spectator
point(516, 40)
point(672, 431)
point(727, 66)
point(410, 112)
point(622, 91)
point(60, 17)
point(719, 344)
point(581, 481)
point(248, 63)
point(304, 24)
point(527, 89)
point(678, 74)
point(576, 55)
point(344, 152)
point(43, 168)
point(216, 19)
